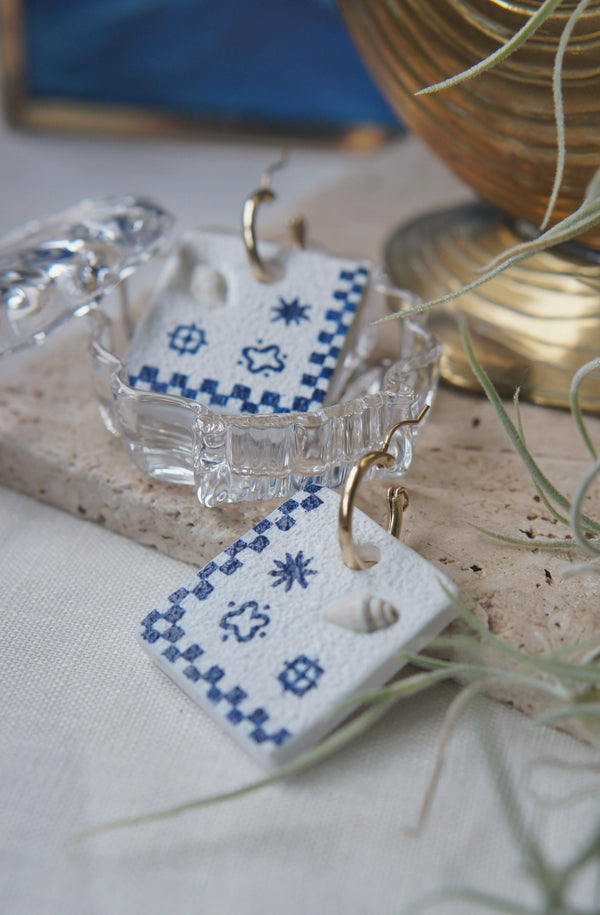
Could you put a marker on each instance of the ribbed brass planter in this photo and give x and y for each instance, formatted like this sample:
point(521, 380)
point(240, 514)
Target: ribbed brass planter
point(532, 327)
point(497, 132)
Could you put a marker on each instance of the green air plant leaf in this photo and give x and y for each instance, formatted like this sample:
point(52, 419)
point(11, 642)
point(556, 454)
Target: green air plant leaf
point(513, 44)
point(578, 378)
point(484, 658)
point(376, 709)
point(508, 48)
point(538, 477)
point(559, 111)
point(546, 501)
point(590, 477)
point(551, 881)
point(532, 543)
point(576, 514)
point(581, 524)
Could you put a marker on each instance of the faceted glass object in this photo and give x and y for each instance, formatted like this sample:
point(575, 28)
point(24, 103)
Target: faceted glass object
point(56, 268)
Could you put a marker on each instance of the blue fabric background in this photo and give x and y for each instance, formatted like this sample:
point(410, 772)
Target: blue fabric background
point(285, 62)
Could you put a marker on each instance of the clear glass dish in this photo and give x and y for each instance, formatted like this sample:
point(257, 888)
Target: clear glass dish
point(389, 373)
point(68, 264)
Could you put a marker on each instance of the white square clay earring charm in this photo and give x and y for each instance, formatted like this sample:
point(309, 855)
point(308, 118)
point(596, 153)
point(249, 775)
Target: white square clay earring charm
point(245, 334)
point(278, 632)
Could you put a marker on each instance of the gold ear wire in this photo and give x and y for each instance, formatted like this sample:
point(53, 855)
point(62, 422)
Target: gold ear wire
point(397, 497)
point(264, 194)
point(251, 204)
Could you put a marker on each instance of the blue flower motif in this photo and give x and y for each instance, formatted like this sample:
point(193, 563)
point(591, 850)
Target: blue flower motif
point(250, 621)
point(290, 312)
point(293, 569)
point(263, 359)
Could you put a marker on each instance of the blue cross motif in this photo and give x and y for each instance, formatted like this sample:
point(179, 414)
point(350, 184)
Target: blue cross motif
point(300, 675)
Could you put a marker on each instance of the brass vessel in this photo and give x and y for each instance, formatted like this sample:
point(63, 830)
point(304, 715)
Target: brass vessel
point(498, 132)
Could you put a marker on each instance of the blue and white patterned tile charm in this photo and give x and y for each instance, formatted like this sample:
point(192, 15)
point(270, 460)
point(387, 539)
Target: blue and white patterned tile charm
point(273, 635)
point(217, 335)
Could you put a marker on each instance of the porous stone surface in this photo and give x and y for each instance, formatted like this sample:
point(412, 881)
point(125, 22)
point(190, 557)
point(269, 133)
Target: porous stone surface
point(465, 472)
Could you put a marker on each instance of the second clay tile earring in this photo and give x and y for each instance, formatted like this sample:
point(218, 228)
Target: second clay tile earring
point(245, 332)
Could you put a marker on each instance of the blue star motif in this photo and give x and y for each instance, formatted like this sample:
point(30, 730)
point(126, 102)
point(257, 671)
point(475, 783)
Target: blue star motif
point(292, 570)
point(187, 338)
point(300, 675)
point(290, 312)
point(263, 359)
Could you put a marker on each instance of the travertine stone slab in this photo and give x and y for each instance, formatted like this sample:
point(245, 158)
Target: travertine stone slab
point(54, 447)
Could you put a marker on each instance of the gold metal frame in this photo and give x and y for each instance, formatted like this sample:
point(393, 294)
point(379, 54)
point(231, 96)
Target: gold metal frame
point(23, 110)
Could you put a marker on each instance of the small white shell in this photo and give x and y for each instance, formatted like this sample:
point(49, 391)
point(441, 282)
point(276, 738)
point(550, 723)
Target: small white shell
point(360, 612)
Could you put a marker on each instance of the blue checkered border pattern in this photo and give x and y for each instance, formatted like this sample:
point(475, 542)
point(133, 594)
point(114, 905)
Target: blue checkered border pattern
point(169, 624)
point(313, 383)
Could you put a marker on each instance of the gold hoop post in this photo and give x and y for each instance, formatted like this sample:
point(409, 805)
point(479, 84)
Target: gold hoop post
point(264, 194)
point(251, 204)
point(397, 498)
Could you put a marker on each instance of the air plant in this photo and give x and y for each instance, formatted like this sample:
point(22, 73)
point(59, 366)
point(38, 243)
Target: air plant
point(553, 883)
point(469, 652)
point(568, 676)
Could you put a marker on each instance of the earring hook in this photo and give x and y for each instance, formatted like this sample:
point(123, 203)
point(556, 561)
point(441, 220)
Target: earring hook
point(275, 166)
point(265, 194)
point(397, 497)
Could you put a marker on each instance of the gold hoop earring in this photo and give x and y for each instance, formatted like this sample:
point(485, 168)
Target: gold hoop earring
point(397, 498)
point(265, 194)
